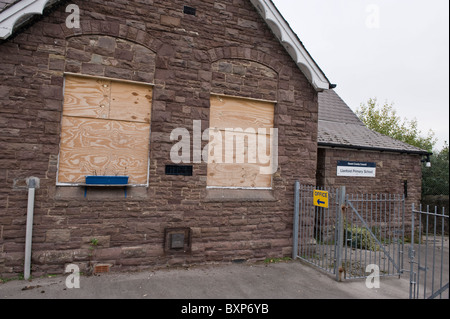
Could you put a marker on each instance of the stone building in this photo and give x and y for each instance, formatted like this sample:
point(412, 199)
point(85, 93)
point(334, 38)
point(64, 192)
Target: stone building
point(107, 97)
point(135, 89)
point(396, 167)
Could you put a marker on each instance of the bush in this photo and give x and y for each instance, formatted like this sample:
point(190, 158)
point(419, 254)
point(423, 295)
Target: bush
point(361, 238)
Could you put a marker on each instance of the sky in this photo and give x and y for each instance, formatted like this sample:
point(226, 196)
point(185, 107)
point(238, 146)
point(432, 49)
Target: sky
point(394, 50)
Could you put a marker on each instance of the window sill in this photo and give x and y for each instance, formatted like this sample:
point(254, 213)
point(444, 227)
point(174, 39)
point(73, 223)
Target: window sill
point(239, 195)
point(101, 192)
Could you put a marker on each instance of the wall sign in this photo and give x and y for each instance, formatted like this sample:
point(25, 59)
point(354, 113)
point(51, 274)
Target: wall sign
point(356, 169)
point(321, 199)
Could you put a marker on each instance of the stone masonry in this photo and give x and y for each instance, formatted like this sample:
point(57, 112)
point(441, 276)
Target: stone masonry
point(393, 169)
point(226, 48)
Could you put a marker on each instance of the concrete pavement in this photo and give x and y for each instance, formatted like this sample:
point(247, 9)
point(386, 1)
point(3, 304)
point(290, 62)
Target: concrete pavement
point(287, 280)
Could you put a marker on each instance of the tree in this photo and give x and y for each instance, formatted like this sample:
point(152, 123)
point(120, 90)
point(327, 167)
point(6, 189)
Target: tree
point(435, 179)
point(386, 121)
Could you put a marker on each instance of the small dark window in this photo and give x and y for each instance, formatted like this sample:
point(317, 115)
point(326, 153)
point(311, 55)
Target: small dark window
point(189, 10)
point(405, 187)
point(179, 170)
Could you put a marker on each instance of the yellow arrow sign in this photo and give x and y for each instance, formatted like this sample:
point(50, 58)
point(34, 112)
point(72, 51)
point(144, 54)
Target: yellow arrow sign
point(321, 199)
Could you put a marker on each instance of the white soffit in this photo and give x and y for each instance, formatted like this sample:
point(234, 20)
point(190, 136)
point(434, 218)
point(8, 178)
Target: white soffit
point(292, 44)
point(18, 13)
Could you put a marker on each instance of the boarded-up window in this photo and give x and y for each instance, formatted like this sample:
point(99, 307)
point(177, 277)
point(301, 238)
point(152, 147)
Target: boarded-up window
point(241, 143)
point(105, 130)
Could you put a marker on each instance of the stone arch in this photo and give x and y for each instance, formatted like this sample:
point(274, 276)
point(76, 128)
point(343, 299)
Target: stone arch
point(116, 30)
point(140, 40)
point(251, 73)
point(249, 78)
point(245, 54)
point(108, 56)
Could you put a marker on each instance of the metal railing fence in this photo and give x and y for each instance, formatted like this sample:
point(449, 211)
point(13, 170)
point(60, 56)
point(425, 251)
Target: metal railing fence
point(354, 232)
point(429, 254)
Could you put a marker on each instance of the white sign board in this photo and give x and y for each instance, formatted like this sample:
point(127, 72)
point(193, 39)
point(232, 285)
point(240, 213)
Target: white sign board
point(356, 169)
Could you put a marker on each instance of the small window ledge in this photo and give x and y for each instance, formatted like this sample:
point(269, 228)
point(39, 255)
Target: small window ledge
point(101, 192)
point(239, 195)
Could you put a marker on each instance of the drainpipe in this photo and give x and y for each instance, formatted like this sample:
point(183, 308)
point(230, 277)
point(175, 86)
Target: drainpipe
point(32, 185)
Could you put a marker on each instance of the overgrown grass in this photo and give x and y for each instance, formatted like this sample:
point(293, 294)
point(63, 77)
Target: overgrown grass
point(277, 260)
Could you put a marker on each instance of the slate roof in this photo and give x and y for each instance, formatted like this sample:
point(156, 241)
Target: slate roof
point(340, 127)
point(4, 4)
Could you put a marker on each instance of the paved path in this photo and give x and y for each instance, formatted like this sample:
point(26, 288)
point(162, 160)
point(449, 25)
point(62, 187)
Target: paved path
point(291, 280)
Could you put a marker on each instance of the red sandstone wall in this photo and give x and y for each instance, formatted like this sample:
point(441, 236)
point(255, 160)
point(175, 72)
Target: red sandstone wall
point(227, 48)
point(392, 170)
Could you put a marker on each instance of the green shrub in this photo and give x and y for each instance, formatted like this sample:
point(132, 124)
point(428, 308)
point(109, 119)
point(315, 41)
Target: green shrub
point(361, 238)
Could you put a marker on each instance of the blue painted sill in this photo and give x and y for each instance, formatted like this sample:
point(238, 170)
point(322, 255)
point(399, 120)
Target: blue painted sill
point(107, 180)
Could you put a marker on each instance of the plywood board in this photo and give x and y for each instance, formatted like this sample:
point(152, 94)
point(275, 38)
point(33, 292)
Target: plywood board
point(236, 163)
point(234, 159)
point(237, 176)
point(130, 102)
point(230, 112)
point(87, 97)
point(234, 147)
point(103, 147)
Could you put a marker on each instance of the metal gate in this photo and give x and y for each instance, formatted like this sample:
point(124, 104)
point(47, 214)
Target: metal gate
point(429, 254)
point(350, 237)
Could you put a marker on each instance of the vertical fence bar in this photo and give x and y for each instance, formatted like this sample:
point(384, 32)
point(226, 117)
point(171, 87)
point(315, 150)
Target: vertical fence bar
point(370, 223)
point(340, 230)
point(312, 230)
point(383, 222)
point(302, 209)
point(426, 253)
point(317, 238)
point(434, 250)
point(336, 232)
point(327, 236)
point(308, 222)
point(442, 247)
point(350, 262)
point(296, 219)
point(355, 263)
point(300, 253)
point(389, 241)
point(419, 245)
point(411, 258)
point(304, 216)
point(401, 237)
point(403, 229)
point(371, 220)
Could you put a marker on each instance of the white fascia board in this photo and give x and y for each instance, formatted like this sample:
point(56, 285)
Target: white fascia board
point(292, 44)
point(10, 16)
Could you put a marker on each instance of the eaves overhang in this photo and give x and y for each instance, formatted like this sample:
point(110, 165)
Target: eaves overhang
point(21, 11)
point(292, 44)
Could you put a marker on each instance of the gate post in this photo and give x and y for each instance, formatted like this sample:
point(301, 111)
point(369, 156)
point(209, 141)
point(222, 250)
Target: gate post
point(296, 220)
point(412, 274)
point(340, 232)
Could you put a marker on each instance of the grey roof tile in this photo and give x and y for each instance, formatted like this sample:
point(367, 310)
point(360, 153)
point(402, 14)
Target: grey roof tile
point(4, 4)
point(333, 108)
point(339, 126)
